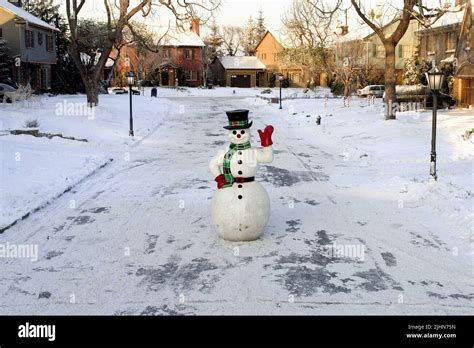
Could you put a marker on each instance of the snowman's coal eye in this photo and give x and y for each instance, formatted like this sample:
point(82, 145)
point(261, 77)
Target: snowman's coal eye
point(234, 132)
point(242, 132)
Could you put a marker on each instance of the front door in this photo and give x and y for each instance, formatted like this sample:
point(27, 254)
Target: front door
point(165, 78)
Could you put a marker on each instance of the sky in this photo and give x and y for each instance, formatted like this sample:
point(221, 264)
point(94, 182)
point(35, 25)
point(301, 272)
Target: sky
point(237, 12)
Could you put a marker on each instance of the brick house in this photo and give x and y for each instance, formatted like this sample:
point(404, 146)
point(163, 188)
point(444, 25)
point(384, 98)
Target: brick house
point(451, 40)
point(179, 53)
point(31, 43)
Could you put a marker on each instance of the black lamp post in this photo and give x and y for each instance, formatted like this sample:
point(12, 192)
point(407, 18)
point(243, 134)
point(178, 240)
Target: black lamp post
point(280, 78)
point(131, 81)
point(435, 80)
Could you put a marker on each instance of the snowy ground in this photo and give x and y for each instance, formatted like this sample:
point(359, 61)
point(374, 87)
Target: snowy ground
point(135, 236)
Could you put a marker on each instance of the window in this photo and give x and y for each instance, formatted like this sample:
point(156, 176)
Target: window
point(450, 41)
point(29, 39)
point(49, 43)
point(191, 75)
point(380, 51)
point(166, 53)
point(430, 43)
point(295, 77)
point(40, 39)
point(404, 51)
point(1, 33)
point(188, 53)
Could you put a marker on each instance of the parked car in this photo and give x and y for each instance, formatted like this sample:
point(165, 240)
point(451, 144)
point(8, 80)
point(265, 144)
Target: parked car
point(422, 94)
point(5, 88)
point(117, 90)
point(375, 90)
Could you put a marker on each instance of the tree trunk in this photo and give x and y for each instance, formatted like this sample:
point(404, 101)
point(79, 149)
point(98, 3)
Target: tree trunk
point(92, 91)
point(346, 89)
point(390, 79)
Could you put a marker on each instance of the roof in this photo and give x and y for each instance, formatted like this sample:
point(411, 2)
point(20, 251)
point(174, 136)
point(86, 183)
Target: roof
point(28, 17)
point(449, 18)
point(188, 38)
point(243, 62)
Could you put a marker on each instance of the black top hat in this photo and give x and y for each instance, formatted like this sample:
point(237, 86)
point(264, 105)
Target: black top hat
point(238, 119)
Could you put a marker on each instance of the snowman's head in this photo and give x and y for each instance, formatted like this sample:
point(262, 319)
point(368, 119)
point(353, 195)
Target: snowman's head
point(239, 136)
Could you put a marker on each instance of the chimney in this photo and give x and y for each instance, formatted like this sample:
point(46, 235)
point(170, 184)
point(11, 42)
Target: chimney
point(195, 26)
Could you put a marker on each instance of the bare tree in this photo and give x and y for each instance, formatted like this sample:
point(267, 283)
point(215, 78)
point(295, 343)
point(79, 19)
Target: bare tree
point(412, 9)
point(307, 27)
point(119, 13)
point(231, 39)
point(349, 66)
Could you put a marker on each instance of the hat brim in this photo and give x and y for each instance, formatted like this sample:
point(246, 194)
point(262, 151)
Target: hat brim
point(239, 127)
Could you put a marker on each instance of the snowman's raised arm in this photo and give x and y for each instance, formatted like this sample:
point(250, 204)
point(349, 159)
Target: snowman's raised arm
point(216, 163)
point(266, 154)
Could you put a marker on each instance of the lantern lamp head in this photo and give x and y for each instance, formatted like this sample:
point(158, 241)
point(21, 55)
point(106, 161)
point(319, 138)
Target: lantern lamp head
point(280, 77)
point(130, 78)
point(435, 79)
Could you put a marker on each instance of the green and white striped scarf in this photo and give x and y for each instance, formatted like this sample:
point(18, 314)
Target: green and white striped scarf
point(233, 148)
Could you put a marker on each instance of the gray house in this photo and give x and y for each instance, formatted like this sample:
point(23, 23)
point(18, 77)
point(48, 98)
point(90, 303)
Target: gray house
point(32, 45)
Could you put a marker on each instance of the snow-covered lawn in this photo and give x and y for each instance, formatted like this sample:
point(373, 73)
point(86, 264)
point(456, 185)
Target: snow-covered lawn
point(356, 225)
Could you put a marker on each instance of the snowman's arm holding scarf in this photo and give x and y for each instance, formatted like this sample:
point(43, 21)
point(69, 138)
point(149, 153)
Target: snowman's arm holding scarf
point(264, 155)
point(216, 163)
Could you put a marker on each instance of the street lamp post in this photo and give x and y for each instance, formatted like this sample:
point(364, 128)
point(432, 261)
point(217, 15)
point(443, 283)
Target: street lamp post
point(131, 82)
point(280, 78)
point(435, 80)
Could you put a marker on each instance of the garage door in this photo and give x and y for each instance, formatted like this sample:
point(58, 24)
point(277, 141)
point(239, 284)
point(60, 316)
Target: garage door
point(240, 81)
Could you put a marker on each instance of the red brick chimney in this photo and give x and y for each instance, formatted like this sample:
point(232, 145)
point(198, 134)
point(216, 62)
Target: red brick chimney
point(196, 26)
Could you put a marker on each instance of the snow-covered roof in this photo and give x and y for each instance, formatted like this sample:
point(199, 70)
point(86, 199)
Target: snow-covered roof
point(449, 18)
point(245, 62)
point(28, 17)
point(187, 38)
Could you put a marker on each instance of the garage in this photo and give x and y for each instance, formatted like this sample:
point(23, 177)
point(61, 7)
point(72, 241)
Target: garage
point(240, 81)
point(239, 72)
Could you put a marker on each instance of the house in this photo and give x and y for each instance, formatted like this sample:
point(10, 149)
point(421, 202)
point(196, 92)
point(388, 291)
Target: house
point(369, 52)
point(31, 44)
point(451, 40)
point(239, 71)
point(183, 51)
point(179, 60)
point(268, 50)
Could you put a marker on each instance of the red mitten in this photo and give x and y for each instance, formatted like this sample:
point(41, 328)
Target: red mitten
point(266, 136)
point(220, 179)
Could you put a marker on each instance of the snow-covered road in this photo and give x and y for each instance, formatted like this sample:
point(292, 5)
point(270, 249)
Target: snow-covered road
point(136, 238)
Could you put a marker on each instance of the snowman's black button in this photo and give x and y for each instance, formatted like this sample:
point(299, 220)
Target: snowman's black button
point(240, 152)
point(240, 172)
point(240, 186)
point(239, 161)
point(239, 196)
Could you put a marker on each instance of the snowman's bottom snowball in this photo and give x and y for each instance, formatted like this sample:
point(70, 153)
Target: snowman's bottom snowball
point(241, 219)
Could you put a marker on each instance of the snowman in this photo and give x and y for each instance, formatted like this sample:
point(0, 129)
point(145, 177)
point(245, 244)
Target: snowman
point(240, 205)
